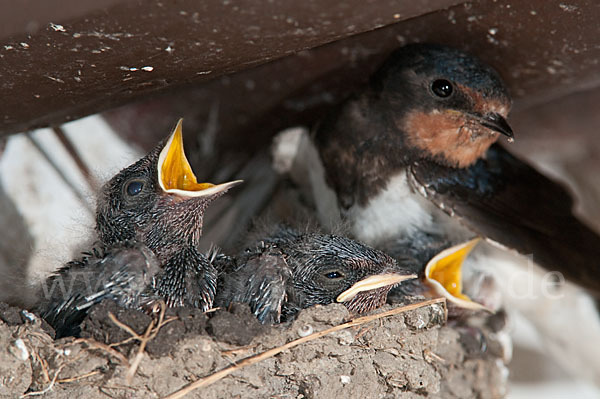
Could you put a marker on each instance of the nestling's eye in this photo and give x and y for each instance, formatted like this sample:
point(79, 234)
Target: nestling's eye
point(134, 187)
point(334, 275)
point(442, 88)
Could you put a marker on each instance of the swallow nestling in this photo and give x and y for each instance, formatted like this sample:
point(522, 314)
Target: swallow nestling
point(414, 153)
point(158, 205)
point(290, 271)
point(440, 274)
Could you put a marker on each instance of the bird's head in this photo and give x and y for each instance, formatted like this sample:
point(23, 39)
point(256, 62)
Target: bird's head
point(448, 105)
point(442, 276)
point(157, 200)
point(328, 269)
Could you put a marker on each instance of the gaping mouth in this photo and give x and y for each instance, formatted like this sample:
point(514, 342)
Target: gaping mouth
point(443, 274)
point(372, 283)
point(175, 174)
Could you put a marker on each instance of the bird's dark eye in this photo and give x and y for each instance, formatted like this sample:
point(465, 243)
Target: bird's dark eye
point(134, 187)
point(334, 275)
point(442, 88)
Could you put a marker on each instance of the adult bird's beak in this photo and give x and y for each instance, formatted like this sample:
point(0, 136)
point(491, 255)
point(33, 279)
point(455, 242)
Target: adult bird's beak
point(443, 274)
point(373, 282)
point(175, 174)
point(496, 122)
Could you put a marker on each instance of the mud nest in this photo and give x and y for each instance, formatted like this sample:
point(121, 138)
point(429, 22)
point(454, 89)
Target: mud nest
point(414, 354)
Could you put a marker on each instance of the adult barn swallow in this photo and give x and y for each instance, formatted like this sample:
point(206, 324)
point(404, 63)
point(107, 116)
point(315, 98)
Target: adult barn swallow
point(414, 153)
point(290, 271)
point(157, 204)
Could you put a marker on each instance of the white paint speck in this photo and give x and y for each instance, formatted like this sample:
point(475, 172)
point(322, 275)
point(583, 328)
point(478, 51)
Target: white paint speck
point(451, 17)
point(493, 31)
point(57, 27)
point(491, 39)
point(76, 35)
point(59, 80)
point(24, 45)
point(169, 49)
point(147, 68)
point(568, 7)
point(345, 379)
point(533, 12)
point(8, 47)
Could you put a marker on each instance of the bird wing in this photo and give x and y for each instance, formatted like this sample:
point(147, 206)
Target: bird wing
point(512, 204)
point(118, 273)
point(260, 280)
point(266, 287)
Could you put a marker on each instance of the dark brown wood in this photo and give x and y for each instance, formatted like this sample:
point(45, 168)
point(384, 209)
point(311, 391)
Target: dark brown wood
point(94, 60)
point(62, 67)
point(544, 49)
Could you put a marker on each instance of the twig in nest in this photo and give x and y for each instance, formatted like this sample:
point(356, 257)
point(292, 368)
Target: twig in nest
point(107, 348)
point(272, 352)
point(78, 377)
point(241, 349)
point(49, 387)
point(149, 335)
point(44, 339)
point(118, 388)
point(137, 336)
point(431, 357)
point(43, 364)
point(362, 332)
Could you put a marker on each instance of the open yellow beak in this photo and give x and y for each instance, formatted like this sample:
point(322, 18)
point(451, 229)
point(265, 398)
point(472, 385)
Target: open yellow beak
point(443, 273)
point(371, 283)
point(175, 174)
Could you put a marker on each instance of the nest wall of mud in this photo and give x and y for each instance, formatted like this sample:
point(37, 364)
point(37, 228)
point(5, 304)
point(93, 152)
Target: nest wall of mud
point(410, 355)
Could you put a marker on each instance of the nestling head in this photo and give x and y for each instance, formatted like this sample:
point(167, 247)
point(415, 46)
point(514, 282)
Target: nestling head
point(157, 200)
